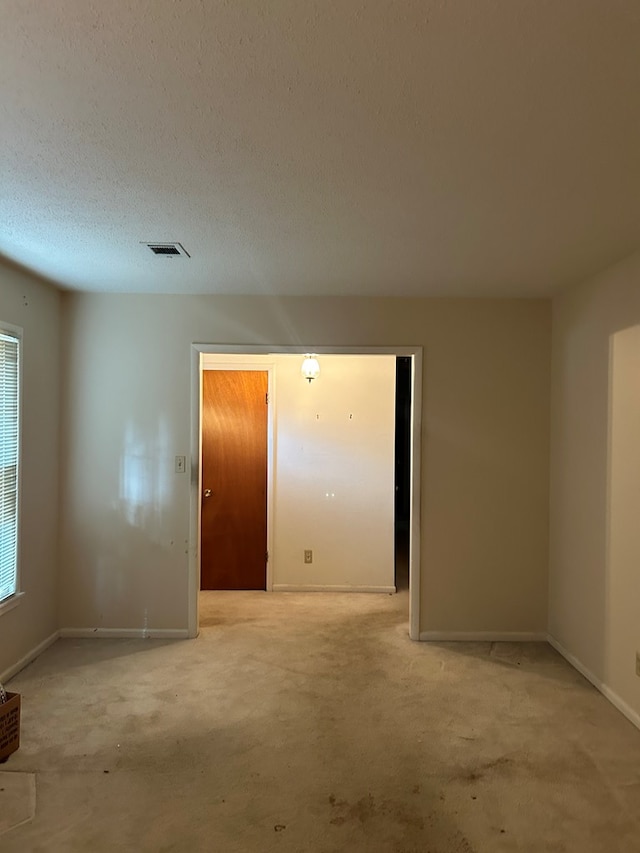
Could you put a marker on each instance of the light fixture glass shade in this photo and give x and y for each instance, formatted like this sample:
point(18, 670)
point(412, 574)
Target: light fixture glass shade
point(310, 367)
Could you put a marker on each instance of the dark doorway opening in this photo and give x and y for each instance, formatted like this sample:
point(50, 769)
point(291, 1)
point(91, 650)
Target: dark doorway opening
point(402, 470)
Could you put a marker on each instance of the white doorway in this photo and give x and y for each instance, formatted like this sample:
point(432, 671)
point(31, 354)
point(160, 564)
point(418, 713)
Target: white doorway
point(204, 354)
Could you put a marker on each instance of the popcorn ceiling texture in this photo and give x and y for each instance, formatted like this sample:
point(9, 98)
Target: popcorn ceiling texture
point(411, 148)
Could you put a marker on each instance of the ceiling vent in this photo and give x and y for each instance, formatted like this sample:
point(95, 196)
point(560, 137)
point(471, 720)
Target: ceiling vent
point(168, 250)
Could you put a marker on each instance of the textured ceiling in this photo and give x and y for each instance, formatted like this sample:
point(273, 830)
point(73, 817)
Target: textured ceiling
point(418, 147)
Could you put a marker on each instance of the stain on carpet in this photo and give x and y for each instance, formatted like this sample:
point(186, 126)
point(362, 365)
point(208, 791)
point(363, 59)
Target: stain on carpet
point(432, 833)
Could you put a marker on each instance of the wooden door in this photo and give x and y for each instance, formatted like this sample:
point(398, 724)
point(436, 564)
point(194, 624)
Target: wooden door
point(234, 480)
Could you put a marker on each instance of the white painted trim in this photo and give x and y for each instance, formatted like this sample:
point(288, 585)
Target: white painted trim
point(606, 691)
point(414, 493)
point(12, 601)
point(193, 573)
point(29, 657)
point(125, 633)
point(316, 587)
point(483, 637)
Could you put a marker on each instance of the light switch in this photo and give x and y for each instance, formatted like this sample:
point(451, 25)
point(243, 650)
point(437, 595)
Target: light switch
point(181, 464)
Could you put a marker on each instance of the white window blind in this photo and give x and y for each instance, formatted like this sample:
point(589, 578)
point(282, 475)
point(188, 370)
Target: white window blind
point(9, 433)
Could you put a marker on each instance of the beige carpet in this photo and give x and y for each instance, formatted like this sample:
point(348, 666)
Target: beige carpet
point(17, 800)
point(312, 723)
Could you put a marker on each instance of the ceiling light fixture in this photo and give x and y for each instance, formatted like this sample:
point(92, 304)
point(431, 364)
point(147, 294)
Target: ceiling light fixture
point(310, 367)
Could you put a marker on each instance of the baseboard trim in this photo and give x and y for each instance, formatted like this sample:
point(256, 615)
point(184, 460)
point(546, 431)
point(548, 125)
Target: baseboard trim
point(289, 587)
point(606, 691)
point(483, 637)
point(125, 633)
point(29, 657)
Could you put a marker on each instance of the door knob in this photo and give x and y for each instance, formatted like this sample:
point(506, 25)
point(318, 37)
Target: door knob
point(207, 493)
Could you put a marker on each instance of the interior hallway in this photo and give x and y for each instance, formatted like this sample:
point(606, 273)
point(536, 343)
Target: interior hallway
point(310, 722)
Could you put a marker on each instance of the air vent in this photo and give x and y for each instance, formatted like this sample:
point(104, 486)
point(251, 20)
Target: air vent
point(168, 250)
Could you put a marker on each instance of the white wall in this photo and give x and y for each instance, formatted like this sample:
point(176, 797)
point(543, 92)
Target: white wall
point(584, 319)
point(484, 478)
point(334, 484)
point(35, 306)
point(333, 468)
point(623, 600)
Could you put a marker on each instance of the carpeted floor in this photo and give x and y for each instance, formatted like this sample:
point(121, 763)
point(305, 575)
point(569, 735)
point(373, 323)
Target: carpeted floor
point(17, 799)
point(310, 722)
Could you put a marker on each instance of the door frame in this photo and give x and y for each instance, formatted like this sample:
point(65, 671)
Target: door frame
point(242, 354)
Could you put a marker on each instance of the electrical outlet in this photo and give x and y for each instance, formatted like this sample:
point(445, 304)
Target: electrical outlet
point(637, 663)
point(308, 556)
point(181, 464)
